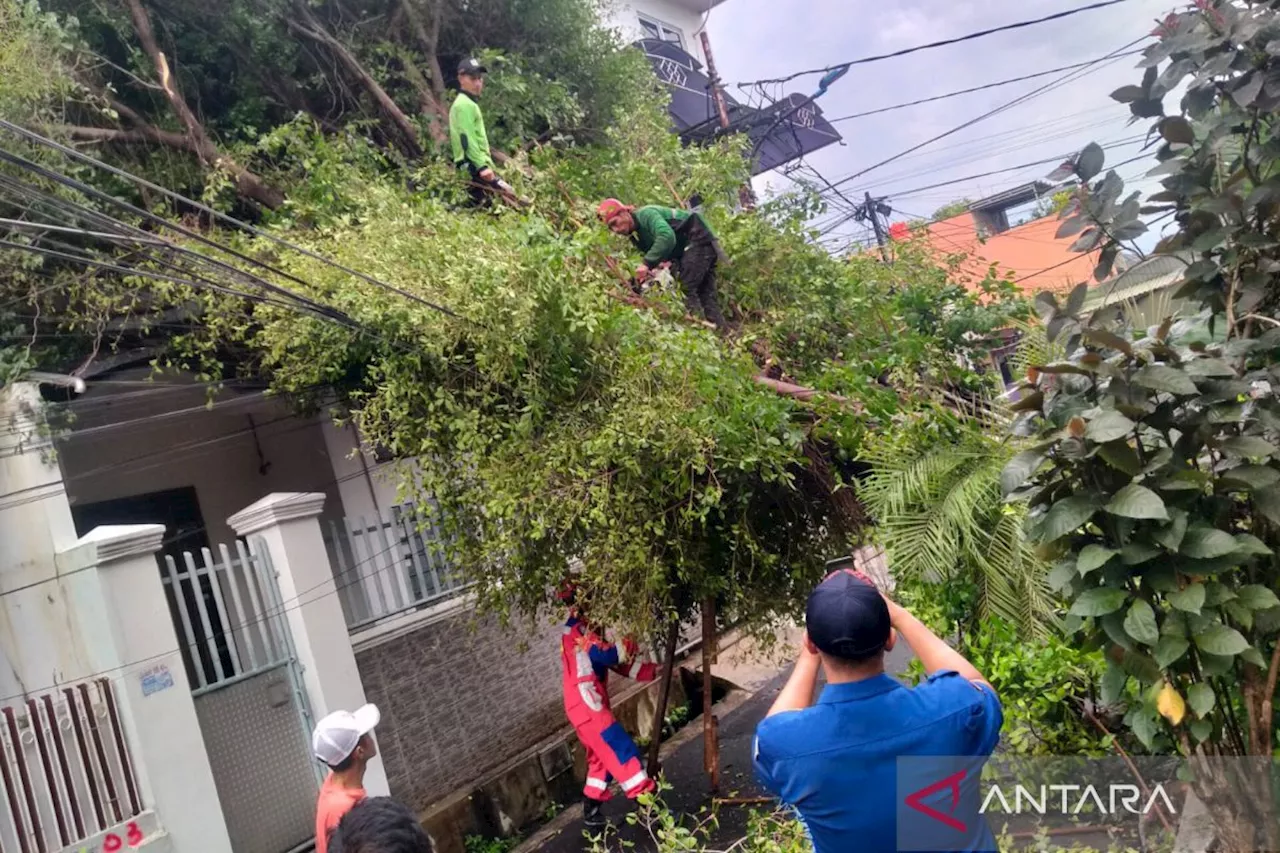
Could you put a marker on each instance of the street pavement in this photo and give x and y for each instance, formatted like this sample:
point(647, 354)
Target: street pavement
point(691, 790)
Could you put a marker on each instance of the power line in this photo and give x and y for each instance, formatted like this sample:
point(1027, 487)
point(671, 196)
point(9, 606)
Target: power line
point(988, 114)
point(221, 217)
point(982, 88)
point(1044, 162)
point(944, 42)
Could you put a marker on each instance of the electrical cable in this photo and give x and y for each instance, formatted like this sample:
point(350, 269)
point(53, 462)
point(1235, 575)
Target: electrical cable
point(973, 89)
point(221, 217)
point(942, 43)
point(996, 111)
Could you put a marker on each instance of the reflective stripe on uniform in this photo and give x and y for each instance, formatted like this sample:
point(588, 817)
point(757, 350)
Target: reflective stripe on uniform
point(638, 779)
point(598, 784)
point(634, 672)
point(585, 669)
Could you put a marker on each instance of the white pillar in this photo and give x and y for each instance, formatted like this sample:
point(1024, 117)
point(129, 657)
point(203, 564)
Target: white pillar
point(37, 635)
point(287, 524)
point(113, 585)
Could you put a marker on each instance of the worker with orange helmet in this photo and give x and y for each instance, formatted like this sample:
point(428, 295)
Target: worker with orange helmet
point(586, 659)
point(679, 238)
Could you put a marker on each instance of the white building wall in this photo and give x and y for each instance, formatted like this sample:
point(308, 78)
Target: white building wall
point(147, 448)
point(366, 488)
point(624, 16)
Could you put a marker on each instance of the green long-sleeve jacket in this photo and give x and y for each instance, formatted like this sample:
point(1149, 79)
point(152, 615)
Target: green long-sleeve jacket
point(467, 134)
point(663, 232)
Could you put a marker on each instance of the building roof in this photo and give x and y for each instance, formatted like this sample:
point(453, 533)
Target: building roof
point(1017, 195)
point(1038, 260)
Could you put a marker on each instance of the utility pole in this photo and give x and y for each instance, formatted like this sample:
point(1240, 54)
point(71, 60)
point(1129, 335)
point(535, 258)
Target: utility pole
point(746, 195)
point(873, 209)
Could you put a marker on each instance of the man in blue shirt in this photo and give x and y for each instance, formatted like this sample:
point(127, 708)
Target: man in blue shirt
point(875, 765)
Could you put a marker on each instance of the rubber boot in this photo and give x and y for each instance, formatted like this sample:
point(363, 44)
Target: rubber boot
point(593, 815)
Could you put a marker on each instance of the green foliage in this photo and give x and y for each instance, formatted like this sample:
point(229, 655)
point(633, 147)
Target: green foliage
point(955, 208)
point(1155, 493)
point(32, 70)
point(1045, 683)
point(941, 518)
point(1053, 204)
point(481, 844)
point(668, 832)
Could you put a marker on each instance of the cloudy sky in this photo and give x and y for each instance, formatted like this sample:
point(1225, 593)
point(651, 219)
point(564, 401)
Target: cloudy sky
point(754, 39)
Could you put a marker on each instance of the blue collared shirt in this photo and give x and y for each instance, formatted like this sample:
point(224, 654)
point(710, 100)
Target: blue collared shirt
point(837, 762)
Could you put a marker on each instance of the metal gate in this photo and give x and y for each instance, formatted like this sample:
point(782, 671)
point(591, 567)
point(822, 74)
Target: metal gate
point(249, 694)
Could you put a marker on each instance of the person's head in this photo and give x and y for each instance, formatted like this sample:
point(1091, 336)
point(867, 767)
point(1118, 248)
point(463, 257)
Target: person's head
point(847, 622)
point(379, 825)
point(471, 76)
point(344, 739)
point(616, 215)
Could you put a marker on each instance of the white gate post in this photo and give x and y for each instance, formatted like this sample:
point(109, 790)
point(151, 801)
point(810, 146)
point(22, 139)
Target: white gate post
point(113, 583)
point(288, 525)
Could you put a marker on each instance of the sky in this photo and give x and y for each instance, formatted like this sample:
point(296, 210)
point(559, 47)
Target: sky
point(755, 39)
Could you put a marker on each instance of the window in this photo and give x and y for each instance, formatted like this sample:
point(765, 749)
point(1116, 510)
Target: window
point(655, 29)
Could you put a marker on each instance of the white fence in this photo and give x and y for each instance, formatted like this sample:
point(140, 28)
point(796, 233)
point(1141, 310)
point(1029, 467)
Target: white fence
point(227, 614)
point(65, 771)
point(389, 564)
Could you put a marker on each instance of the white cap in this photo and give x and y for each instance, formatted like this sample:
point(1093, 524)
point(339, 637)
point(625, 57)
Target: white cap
point(337, 735)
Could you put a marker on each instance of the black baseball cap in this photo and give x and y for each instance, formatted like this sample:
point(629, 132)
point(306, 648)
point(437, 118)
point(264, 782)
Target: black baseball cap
point(472, 67)
point(846, 617)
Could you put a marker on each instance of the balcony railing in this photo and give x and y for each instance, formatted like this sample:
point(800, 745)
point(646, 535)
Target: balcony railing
point(389, 564)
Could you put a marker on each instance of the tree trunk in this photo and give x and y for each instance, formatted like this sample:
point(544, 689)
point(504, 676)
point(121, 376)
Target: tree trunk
point(433, 109)
point(710, 725)
point(403, 130)
point(247, 184)
point(664, 697)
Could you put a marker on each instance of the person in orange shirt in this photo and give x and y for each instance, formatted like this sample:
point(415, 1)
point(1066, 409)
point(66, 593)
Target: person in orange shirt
point(343, 741)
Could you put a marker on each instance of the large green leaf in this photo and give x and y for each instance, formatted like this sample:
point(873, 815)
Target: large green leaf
point(1204, 542)
point(1249, 545)
point(1252, 477)
point(1093, 557)
point(1108, 426)
point(1221, 640)
point(1135, 501)
point(1257, 597)
point(1061, 575)
point(1121, 456)
point(1169, 650)
point(1162, 377)
point(1189, 599)
point(1248, 446)
point(1113, 681)
point(1201, 699)
point(1019, 469)
point(1066, 516)
point(1099, 601)
point(1171, 534)
point(1140, 623)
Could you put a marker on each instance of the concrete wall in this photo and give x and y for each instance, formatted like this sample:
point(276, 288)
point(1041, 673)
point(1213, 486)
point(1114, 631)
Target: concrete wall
point(40, 637)
point(457, 703)
point(173, 441)
point(366, 487)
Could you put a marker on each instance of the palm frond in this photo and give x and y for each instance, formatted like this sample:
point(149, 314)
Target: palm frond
point(940, 515)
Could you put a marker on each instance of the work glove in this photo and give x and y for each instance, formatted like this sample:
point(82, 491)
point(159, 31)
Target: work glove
point(642, 273)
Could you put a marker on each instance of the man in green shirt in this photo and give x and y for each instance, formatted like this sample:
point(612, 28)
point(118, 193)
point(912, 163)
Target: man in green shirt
point(678, 238)
point(468, 137)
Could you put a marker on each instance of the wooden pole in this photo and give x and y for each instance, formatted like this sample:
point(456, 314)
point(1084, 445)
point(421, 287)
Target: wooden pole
point(746, 196)
point(664, 697)
point(710, 725)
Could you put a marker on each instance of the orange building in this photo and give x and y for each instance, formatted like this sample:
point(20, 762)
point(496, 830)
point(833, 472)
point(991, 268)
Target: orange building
point(1036, 258)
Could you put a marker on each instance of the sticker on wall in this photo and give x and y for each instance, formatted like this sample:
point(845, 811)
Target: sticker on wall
point(155, 679)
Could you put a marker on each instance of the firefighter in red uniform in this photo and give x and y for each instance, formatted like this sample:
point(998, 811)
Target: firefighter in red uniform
point(585, 661)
